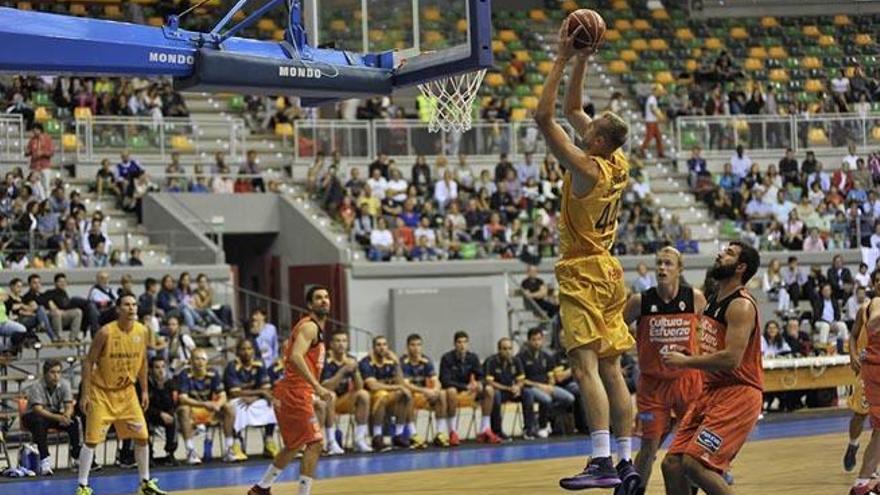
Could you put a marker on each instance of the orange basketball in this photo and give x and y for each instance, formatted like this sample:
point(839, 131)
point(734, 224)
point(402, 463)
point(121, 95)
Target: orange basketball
point(593, 31)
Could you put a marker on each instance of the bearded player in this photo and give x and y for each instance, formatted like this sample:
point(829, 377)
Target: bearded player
point(667, 317)
point(869, 374)
point(303, 358)
point(591, 287)
point(718, 423)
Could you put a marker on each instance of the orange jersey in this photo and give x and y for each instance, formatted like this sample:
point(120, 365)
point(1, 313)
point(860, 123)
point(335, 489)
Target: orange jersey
point(713, 334)
point(871, 349)
point(314, 357)
point(588, 225)
point(664, 327)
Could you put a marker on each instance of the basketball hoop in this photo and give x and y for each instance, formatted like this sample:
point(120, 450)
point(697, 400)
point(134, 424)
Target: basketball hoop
point(452, 100)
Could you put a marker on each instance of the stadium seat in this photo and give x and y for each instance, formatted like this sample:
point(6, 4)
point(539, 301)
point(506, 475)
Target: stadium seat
point(69, 142)
point(24, 6)
point(278, 35)
point(545, 67)
point(112, 12)
point(658, 44)
point(713, 44)
point(757, 52)
point(622, 25)
point(629, 55)
point(284, 129)
point(462, 26)
point(618, 67)
point(684, 34)
point(841, 20)
point(779, 75)
point(777, 52)
point(826, 40)
point(660, 14)
point(814, 86)
point(817, 137)
point(235, 103)
point(82, 113)
point(529, 102)
point(569, 6)
point(41, 115)
point(875, 134)
point(612, 35)
point(52, 127)
point(620, 5)
point(739, 33)
point(753, 64)
point(641, 25)
point(537, 90)
point(537, 15)
point(519, 114)
point(155, 21)
point(267, 25)
point(433, 14)
point(338, 25)
point(638, 44)
point(182, 143)
point(812, 31)
point(769, 22)
point(522, 56)
point(507, 35)
point(664, 77)
point(811, 63)
point(690, 64)
point(77, 9)
point(863, 39)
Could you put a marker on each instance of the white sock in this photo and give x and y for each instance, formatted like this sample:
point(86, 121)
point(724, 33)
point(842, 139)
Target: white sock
point(862, 482)
point(229, 441)
point(377, 430)
point(190, 445)
point(442, 426)
point(412, 427)
point(450, 423)
point(624, 448)
point(86, 455)
point(854, 443)
point(305, 485)
point(269, 476)
point(360, 432)
point(398, 429)
point(484, 423)
point(330, 435)
point(142, 456)
point(601, 440)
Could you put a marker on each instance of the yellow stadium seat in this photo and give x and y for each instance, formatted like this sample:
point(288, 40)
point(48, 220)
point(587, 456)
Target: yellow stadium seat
point(77, 9)
point(622, 25)
point(462, 25)
point(112, 12)
point(24, 6)
point(620, 5)
point(641, 25)
point(612, 35)
point(684, 34)
point(714, 44)
point(155, 21)
point(284, 129)
point(812, 31)
point(433, 37)
point(494, 79)
point(769, 22)
point(569, 6)
point(850, 71)
point(753, 64)
point(182, 143)
point(664, 77)
point(740, 125)
point(498, 46)
point(545, 67)
point(660, 14)
point(778, 75)
point(618, 67)
point(826, 40)
point(863, 39)
point(816, 136)
point(537, 90)
point(537, 15)
point(82, 113)
point(522, 55)
point(757, 52)
point(267, 25)
point(658, 44)
point(841, 20)
point(638, 44)
point(777, 52)
point(813, 86)
point(238, 16)
point(433, 14)
point(629, 55)
point(376, 35)
point(875, 133)
point(690, 64)
point(507, 35)
point(69, 142)
point(529, 102)
point(338, 25)
point(738, 33)
point(278, 35)
point(519, 114)
point(41, 114)
point(811, 63)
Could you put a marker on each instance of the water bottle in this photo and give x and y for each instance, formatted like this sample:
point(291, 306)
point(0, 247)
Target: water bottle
point(209, 448)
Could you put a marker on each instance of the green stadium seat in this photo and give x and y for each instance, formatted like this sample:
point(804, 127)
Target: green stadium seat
point(137, 142)
point(235, 103)
point(53, 127)
point(42, 99)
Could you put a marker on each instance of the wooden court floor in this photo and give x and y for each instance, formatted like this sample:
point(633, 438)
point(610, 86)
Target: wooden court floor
point(797, 466)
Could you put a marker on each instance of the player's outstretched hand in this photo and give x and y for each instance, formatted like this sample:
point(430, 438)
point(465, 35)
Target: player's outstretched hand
point(675, 359)
point(566, 48)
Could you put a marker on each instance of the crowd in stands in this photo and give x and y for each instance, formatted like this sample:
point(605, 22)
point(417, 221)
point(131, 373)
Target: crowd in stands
point(450, 211)
point(795, 205)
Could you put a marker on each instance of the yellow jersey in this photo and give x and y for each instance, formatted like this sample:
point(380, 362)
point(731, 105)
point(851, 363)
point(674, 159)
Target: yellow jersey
point(122, 357)
point(588, 225)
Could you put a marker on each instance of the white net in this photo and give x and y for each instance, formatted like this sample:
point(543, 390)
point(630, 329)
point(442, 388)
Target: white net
point(452, 100)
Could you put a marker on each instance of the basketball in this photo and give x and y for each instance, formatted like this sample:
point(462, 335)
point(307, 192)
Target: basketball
point(593, 28)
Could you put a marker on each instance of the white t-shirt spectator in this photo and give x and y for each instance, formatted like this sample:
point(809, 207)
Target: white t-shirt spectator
point(641, 189)
point(862, 279)
point(875, 241)
point(814, 245)
point(445, 191)
point(381, 239)
point(740, 166)
point(757, 208)
point(650, 108)
point(526, 171)
point(849, 162)
point(427, 233)
point(781, 211)
point(852, 307)
point(377, 187)
point(840, 84)
point(397, 185)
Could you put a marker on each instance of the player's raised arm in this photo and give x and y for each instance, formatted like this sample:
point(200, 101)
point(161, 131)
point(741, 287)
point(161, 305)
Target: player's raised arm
point(740, 325)
point(574, 96)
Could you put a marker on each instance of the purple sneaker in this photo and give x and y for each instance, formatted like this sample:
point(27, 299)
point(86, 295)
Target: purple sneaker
point(599, 473)
point(629, 479)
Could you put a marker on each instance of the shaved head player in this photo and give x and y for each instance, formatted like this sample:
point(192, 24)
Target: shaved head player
point(303, 357)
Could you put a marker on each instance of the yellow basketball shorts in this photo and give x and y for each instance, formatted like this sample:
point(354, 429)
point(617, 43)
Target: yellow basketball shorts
point(857, 402)
point(592, 295)
point(121, 408)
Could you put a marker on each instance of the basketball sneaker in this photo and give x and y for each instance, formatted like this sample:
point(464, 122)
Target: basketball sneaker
point(258, 490)
point(629, 479)
point(379, 444)
point(599, 473)
point(417, 442)
point(334, 449)
point(83, 490)
point(192, 458)
point(270, 449)
point(401, 441)
point(869, 488)
point(488, 436)
point(150, 487)
point(849, 458)
point(441, 440)
point(453, 439)
point(361, 446)
point(234, 454)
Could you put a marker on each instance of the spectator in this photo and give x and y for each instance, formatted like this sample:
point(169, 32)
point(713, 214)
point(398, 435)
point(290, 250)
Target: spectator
point(380, 164)
point(381, 241)
point(795, 279)
point(50, 405)
point(810, 164)
point(773, 344)
point(61, 312)
point(696, 166)
point(203, 302)
point(849, 161)
point(464, 176)
point(355, 183)
point(461, 374)
point(527, 168)
point(814, 243)
point(536, 290)
point(820, 177)
point(685, 244)
point(840, 84)
point(247, 386)
point(653, 116)
point(134, 257)
point(788, 168)
point(169, 301)
point(840, 278)
point(180, 344)
point(383, 378)
point(127, 169)
point(163, 404)
point(251, 169)
point(397, 186)
point(853, 304)
point(798, 341)
point(827, 317)
point(740, 162)
point(99, 257)
point(27, 313)
point(9, 328)
point(645, 279)
point(538, 366)
point(103, 297)
point(40, 149)
point(66, 257)
point(264, 336)
point(505, 373)
point(503, 167)
point(862, 278)
point(59, 297)
point(445, 191)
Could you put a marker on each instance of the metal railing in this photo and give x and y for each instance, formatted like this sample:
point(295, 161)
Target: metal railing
point(102, 136)
point(284, 315)
point(776, 133)
point(12, 138)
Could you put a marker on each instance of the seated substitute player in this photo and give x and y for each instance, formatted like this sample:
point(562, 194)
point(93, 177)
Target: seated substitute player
point(461, 375)
point(341, 376)
point(203, 402)
point(539, 367)
point(504, 372)
point(420, 376)
point(564, 378)
point(250, 394)
point(388, 395)
point(667, 317)
point(717, 424)
point(163, 404)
